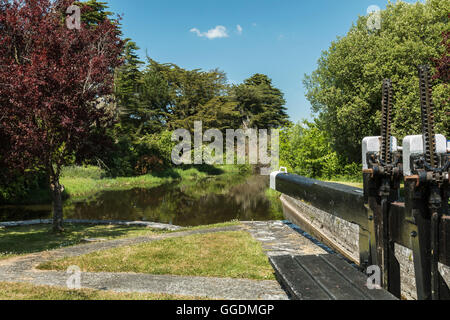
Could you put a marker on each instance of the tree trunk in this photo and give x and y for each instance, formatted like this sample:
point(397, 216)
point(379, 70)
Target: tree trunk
point(57, 206)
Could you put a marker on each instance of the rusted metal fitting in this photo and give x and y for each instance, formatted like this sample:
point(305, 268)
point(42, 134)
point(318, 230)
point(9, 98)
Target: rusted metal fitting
point(415, 178)
point(369, 171)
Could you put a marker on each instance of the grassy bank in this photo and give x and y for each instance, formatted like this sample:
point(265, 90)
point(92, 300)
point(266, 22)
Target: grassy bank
point(22, 291)
point(224, 254)
point(81, 182)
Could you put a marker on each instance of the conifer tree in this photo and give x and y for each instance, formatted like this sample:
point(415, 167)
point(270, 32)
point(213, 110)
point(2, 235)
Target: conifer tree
point(260, 104)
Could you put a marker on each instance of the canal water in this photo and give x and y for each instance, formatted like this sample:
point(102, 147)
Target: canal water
point(190, 203)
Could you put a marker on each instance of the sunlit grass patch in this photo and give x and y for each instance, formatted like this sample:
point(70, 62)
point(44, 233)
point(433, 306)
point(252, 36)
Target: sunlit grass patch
point(212, 226)
point(79, 187)
point(91, 172)
point(224, 254)
point(22, 291)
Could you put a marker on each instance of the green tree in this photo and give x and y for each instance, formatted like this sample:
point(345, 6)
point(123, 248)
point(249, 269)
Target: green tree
point(219, 113)
point(260, 104)
point(306, 150)
point(345, 90)
point(127, 82)
point(186, 93)
point(93, 12)
point(154, 100)
point(441, 93)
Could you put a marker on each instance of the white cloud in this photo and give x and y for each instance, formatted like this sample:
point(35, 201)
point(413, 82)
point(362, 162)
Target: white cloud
point(239, 29)
point(216, 33)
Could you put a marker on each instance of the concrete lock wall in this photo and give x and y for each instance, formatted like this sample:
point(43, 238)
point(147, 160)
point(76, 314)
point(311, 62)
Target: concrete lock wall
point(343, 236)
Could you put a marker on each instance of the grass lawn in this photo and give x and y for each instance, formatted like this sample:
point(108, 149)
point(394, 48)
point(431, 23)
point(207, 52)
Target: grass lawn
point(225, 254)
point(22, 291)
point(211, 226)
point(30, 239)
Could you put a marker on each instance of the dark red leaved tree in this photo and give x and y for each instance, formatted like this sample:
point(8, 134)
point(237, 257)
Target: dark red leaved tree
point(443, 63)
point(443, 69)
point(50, 79)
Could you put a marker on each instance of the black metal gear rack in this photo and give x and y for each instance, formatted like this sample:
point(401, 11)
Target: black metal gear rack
point(426, 198)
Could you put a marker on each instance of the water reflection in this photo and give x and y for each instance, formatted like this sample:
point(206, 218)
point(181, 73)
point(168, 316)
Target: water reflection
point(207, 201)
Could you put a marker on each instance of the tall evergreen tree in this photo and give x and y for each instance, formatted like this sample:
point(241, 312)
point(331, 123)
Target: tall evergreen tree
point(93, 12)
point(186, 92)
point(127, 82)
point(154, 99)
point(260, 104)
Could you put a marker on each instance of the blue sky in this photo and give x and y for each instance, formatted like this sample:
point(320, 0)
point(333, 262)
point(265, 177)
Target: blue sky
point(280, 38)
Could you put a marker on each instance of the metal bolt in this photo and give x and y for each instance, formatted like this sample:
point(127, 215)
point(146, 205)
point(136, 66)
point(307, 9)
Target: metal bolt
point(413, 234)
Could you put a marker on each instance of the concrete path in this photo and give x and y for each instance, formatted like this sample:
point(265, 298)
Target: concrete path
point(278, 238)
point(202, 287)
point(22, 269)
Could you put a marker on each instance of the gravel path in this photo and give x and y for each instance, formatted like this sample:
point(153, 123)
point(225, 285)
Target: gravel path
point(203, 287)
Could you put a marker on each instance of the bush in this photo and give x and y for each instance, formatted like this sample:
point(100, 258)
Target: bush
point(306, 150)
point(353, 172)
point(159, 145)
point(149, 164)
point(28, 188)
point(147, 154)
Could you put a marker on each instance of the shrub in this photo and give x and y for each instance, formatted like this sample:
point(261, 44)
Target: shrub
point(28, 188)
point(306, 150)
point(140, 156)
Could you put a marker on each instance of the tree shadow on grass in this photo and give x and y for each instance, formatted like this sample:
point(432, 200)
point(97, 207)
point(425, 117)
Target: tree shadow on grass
point(168, 173)
point(204, 168)
point(31, 239)
point(210, 170)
